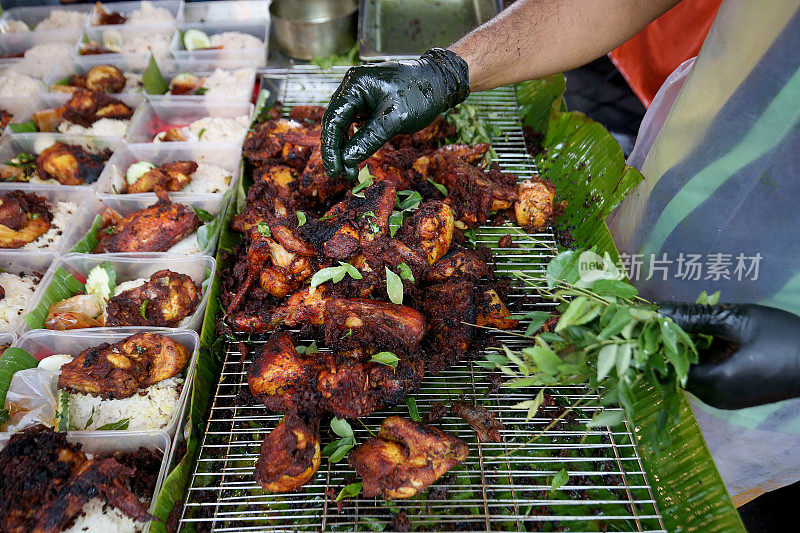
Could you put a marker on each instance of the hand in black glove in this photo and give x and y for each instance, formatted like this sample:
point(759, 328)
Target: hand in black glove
point(401, 97)
point(754, 358)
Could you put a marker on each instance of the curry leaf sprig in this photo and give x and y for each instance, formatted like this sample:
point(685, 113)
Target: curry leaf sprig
point(606, 337)
point(471, 128)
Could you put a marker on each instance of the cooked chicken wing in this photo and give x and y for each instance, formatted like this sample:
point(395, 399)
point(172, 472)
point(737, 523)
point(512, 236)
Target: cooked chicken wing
point(46, 480)
point(23, 218)
point(153, 229)
point(172, 176)
point(290, 454)
point(70, 165)
point(86, 107)
point(459, 263)
point(119, 370)
point(535, 208)
point(163, 301)
point(483, 421)
point(380, 325)
point(429, 231)
point(473, 193)
point(405, 458)
point(432, 165)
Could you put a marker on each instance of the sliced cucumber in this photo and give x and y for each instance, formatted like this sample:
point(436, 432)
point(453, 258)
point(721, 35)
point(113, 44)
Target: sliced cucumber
point(137, 170)
point(194, 39)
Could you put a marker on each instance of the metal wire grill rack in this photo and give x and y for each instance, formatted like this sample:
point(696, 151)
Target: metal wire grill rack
point(505, 486)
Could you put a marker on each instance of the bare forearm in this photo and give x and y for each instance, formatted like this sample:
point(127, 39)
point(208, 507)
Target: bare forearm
point(536, 38)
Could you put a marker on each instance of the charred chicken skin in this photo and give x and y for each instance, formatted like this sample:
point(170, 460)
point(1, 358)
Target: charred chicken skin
point(119, 370)
point(405, 458)
point(84, 108)
point(103, 78)
point(153, 229)
point(171, 177)
point(70, 165)
point(290, 454)
point(23, 218)
point(163, 301)
point(46, 480)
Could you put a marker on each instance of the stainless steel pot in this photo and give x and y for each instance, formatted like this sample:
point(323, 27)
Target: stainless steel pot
point(308, 28)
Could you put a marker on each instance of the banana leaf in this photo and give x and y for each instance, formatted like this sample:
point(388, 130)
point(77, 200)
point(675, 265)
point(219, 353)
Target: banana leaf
point(587, 167)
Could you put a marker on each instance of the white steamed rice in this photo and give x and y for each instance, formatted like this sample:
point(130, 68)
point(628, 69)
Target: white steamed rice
point(14, 26)
point(151, 408)
point(235, 40)
point(98, 517)
point(148, 13)
point(133, 82)
point(227, 84)
point(62, 19)
point(105, 127)
point(208, 179)
point(38, 60)
point(213, 129)
point(15, 84)
point(188, 245)
point(18, 290)
point(62, 214)
point(157, 44)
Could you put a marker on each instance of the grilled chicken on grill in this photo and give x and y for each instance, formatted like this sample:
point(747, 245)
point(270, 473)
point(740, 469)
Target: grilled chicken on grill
point(24, 217)
point(70, 165)
point(153, 229)
point(119, 370)
point(290, 454)
point(405, 458)
point(45, 481)
point(163, 301)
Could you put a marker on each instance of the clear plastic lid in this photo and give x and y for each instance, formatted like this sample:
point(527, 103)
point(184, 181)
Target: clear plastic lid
point(255, 56)
point(152, 118)
point(93, 206)
point(140, 40)
point(225, 156)
point(233, 11)
point(52, 287)
point(42, 343)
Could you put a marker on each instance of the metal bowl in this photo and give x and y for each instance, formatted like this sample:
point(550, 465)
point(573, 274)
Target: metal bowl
point(308, 28)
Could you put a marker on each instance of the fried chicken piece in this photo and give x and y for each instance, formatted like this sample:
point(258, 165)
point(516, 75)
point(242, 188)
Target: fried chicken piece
point(473, 194)
point(429, 136)
point(535, 208)
point(432, 165)
point(283, 140)
point(119, 370)
point(185, 83)
point(491, 311)
point(450, 310)
point(87, 107)
point(70, 165)
point(23, 218)
point(173, 135)
point(405, 458)
point(364, 322)
point(45, 481)
point(308, 113)
point(281, 175)
point(395, 166)
point(104, 78)
point(290, 454)
point(459, 263)
point(5, 118)
point(429, 231)
point(480, 419)
point(315, 187)
point(163, 301)
point(103, 17)
point(172, 176)
point(153, 229)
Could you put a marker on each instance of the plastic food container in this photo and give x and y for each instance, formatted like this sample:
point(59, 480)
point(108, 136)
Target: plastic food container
point(58, 48)
point(127, 204)
point(175, 7)
point(33, 15)
point(16, 262)
point(76, 67)
point(112, 441)
point(129, 268)
point(51, 100)
point(137, 40)
point(43, 343)
point(112, 179)
point(151, 118)
point(10, 147)
point(53, 193)
point(243, 92)
point(222, 57)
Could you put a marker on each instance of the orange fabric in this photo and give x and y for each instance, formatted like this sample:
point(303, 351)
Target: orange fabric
point(652, 54)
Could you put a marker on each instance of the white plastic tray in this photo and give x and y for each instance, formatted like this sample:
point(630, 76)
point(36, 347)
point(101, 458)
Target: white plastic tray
point(42, 343)
point(126, 204)
point(129, 268)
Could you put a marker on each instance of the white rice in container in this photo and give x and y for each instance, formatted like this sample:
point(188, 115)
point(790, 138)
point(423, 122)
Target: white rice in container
point(208, 179)
point(157, 44)
point(62, 214)
point(105, 127)
point(14, 84)
point(14, 26)
point(213, 129)
point(133, 82)
point(235, 40)
point(226, 84)
point(38, 60)
point(188, 245)
point(148, 13)
point(98, 517)
point(18, 290)
point(62, 19)
point(151, 408)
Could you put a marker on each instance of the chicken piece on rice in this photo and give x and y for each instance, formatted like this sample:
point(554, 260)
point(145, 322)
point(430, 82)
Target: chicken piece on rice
point(163, 301)
point(24, 217)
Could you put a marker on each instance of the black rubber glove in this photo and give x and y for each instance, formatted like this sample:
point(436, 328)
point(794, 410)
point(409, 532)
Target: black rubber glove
point(400, 97)
point(755, 356)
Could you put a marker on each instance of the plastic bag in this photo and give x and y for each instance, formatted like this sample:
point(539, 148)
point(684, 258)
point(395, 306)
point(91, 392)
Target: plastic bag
point(32, 398)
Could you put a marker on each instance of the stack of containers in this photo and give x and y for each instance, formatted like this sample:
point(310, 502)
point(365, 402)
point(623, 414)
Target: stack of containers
point(206, 127)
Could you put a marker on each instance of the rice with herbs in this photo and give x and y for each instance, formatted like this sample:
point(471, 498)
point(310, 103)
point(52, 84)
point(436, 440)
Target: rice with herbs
point(213, 130)
point(151, 408)
point(18, 290)
point(105, 127)
point(96, 516)
point(62, 214)
point(229, 85)
point(235, 40)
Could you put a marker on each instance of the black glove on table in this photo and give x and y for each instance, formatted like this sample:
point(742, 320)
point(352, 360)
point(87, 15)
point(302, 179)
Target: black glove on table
point(755, 356)
point(400, 97)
